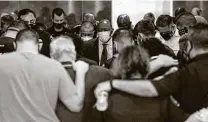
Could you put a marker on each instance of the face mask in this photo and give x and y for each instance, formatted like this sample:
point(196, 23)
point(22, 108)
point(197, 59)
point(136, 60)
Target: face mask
point(104, 36)
point(182, 31)
point(86, 38)
point(167, 35)
point(58, 25)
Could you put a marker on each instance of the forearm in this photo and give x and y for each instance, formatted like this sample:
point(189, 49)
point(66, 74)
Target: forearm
point(80, 87)
point(154, 66)
point(142, 88)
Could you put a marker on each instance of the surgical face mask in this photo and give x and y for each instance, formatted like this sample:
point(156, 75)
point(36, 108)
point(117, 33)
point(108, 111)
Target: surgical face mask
point(167, 35)
point(104, 36)
point(86, 38)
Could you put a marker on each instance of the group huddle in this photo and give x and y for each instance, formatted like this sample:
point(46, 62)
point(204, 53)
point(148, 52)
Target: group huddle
point(153, 71)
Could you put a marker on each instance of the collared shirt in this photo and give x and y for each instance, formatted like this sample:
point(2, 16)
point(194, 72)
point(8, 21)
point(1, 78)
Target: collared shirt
point(30, 86)
point(173, 43)
point(109, 49)
point(188, 85)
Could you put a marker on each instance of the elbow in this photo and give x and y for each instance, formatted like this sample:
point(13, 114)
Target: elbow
point(76, 108)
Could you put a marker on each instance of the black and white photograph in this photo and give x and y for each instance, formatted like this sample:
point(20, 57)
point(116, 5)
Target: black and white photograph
point(104, 61)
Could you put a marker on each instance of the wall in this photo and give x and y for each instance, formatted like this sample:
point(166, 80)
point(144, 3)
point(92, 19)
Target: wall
point(137, 8)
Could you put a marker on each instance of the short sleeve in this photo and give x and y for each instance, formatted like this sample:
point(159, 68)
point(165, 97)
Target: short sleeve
point(170, 84)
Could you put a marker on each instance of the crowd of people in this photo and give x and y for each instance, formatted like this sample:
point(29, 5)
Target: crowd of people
point(153, 71)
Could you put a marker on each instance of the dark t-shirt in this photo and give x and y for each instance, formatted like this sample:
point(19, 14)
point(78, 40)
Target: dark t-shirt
point(189, 85)
point(56, 34)
point(6, 44)
point(94, 75)
point(124, 107)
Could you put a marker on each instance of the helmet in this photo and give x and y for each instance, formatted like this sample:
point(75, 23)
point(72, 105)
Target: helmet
point(104, 25)
point(89, 17)
point(179, 11)
point(123, 20)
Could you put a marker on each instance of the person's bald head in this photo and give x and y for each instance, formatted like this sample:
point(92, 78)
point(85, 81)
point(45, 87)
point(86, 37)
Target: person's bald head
point(196, 11)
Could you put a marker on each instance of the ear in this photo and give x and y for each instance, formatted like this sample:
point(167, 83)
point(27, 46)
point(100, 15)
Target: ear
point(15, 45)
point(40, 44)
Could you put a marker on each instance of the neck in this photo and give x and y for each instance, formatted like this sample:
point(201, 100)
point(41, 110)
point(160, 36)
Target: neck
point(197, 52)
point(58, 30)
point(65, 58)
point(27, 47)
point(10, 34)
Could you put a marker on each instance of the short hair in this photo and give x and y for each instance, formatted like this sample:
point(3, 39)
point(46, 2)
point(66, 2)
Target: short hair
point(17, 25)
point(186, 19)
point(27, 35)
point(150, 16)
point(25, 12)
point(198, 35)
point(7, 19)
point(145, 27)
point(40, 27)
point(164, 20)
point(58, 11)
point(155, 47)
point(60, 45)
point(131, 60)
point(121, 32)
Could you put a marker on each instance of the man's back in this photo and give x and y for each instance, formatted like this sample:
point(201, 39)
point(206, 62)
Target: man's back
point(28, 88)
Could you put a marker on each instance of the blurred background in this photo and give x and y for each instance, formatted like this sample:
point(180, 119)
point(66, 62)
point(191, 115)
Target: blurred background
point(102, 9)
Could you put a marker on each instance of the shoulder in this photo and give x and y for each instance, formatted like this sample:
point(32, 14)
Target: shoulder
point(98, 71)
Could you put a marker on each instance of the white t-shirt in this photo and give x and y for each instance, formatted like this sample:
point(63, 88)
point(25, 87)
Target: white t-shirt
point(30, 86)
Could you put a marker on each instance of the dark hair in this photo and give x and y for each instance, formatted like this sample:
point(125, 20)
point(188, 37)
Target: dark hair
point(58, 11)
point(145, 27)
point(19, 24)
point(39, 27)
point(186, 19)
point(25, 12)
point(155, 47)
point(150, 16)
point(198, 35)
point(7, 19)
point(120, 32)
point(164, 20)
point(27, 35)
point(131, 60)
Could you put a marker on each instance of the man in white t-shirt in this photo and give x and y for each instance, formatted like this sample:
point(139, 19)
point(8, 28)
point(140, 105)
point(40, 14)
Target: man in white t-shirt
point(31, 83)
